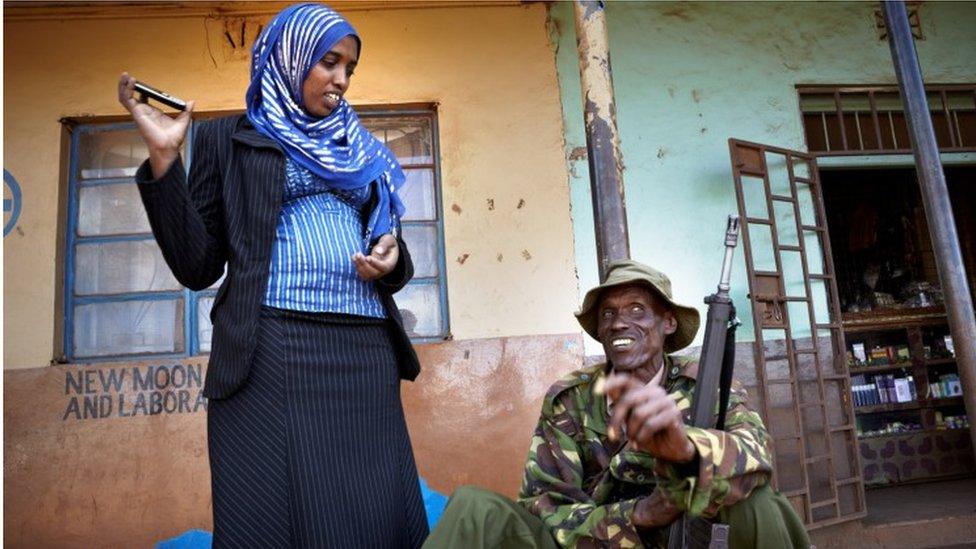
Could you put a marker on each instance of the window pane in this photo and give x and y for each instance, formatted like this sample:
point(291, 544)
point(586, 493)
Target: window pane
point(422, 242)
point(806, 204)
point(420, 305)
point(117, 267)
point(418, 195)
point(763, 255)
point(779, 177)
point(408, 137)
point(110, 154)
point(111, 209)
point(786, 225)
point(204, 328)
point(129, 327)
point(754, 196)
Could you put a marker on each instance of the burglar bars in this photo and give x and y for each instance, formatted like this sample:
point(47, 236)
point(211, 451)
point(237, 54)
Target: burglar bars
point(855, 120)
point(801, 370)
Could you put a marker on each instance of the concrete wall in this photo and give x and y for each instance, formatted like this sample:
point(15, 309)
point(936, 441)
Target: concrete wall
point(490, 70)
point(115, 455)
point(688, 76)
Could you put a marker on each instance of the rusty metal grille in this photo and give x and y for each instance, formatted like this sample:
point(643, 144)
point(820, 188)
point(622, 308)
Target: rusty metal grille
point(801, 370)
point(914, 21)
point(845, 120)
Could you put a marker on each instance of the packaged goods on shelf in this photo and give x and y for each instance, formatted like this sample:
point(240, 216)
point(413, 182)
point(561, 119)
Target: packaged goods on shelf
point(870, 390)
point(947, 386)
point(951, 422)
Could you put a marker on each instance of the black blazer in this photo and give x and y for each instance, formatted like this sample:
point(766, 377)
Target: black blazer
point(227, 214)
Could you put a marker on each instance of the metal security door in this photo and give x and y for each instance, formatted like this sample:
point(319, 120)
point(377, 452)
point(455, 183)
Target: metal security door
point(800, 359)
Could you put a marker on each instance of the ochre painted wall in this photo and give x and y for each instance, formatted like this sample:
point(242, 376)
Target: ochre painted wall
point(491, 71)
point(132, 469)
point(132, 479)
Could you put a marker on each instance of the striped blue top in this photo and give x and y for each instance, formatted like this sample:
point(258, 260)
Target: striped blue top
point(319, 230)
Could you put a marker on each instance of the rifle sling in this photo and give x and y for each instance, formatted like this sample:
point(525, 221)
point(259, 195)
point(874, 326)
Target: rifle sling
point(690, 532)
point(728, 365)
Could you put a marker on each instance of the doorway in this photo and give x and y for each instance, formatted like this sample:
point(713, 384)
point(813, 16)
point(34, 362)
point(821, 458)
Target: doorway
point(913, 432)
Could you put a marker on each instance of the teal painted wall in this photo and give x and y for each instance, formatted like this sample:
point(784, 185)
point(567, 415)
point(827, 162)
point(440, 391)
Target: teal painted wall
point(687, 77)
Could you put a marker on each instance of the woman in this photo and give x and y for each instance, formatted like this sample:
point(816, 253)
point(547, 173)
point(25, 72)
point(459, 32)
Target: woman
point(307, 439)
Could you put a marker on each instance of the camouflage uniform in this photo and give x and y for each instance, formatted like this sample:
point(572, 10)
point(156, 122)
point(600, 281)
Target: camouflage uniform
point(584, 487)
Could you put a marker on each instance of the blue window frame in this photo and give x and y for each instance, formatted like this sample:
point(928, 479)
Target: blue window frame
point(411, 133)
point(121, 300)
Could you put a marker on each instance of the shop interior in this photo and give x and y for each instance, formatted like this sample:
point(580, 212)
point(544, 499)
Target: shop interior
point(913, 430)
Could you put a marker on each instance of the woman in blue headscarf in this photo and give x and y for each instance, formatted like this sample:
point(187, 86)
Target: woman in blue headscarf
point(298, 203)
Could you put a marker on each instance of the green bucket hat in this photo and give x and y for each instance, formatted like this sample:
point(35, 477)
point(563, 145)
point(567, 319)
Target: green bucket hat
point(632, 272)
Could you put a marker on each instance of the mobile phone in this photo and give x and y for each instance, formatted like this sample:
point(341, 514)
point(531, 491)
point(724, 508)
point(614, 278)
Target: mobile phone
point(161, 96)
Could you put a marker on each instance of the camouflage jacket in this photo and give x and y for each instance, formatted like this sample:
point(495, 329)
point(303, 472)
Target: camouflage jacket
point(584, 487)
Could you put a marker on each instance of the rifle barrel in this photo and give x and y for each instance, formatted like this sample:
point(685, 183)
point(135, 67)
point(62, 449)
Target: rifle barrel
point(731, 239)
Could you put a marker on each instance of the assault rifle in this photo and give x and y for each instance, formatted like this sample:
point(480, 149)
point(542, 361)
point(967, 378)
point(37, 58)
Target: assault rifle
point(714, 376)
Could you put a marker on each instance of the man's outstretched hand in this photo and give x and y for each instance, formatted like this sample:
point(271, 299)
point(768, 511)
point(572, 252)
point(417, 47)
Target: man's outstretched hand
point(653, 420)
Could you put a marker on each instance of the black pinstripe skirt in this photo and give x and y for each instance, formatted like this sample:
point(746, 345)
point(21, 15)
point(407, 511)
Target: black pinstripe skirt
point(313, 450)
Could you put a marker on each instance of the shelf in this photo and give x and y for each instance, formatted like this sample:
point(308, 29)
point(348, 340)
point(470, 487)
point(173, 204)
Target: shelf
point(892, 318)
point(946, 401)
point(912, 405)
point(888, 407)
point(904, 433)
point(893, 435)
point(854, 370)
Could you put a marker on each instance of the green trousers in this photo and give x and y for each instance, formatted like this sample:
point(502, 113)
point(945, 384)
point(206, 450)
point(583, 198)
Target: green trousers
point(481, 519)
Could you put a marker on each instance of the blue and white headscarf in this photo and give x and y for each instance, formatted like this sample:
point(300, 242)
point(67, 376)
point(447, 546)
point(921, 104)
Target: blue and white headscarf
point(337, 148)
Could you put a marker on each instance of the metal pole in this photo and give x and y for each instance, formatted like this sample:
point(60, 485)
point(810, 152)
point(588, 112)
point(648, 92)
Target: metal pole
point(935, 197)
point(602, 140)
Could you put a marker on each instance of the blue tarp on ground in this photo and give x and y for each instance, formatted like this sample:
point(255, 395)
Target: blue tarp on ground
point(200, 539)
point(434, 502)
point(191, 539)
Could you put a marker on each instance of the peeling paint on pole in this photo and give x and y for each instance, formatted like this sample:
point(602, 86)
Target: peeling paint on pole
point(602, 139)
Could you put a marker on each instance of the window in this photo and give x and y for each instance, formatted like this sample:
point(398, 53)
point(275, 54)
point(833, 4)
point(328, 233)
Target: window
point(120, 297)
point(839, 120)
point(412, 135)
point(122, 301)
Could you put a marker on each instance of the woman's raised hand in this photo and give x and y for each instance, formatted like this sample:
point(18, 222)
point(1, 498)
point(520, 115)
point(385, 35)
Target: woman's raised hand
point(163, 135)
point(380, 261)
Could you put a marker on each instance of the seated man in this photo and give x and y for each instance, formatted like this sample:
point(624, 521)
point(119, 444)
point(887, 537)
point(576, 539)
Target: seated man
point(612, 463)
